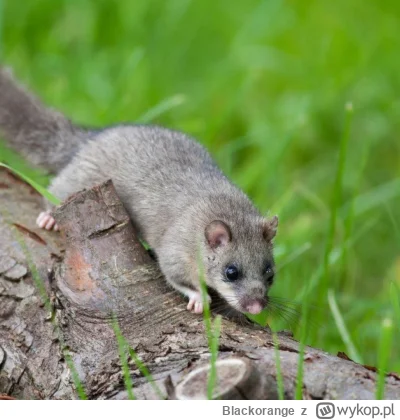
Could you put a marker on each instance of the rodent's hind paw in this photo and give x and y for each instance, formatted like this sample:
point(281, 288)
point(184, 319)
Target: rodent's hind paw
point(46, 221)
point(195, 304)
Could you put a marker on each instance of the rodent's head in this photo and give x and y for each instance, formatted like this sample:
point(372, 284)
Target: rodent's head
point(239, 263)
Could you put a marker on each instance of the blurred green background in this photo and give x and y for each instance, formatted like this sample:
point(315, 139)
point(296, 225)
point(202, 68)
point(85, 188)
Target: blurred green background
point(264, 85)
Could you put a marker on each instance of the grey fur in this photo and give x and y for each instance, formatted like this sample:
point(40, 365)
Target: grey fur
point(169, 184)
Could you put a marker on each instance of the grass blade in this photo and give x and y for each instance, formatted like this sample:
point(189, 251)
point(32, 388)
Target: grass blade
point(395, 299)
point(212, 331)
point(213, 344)
point(161, 108)
point(376, 197)
point(350, 219)
point(41, 190)
point(123, 355)
point(124, 349)
point(384, 353)
point(300, 373)
point(295, 254)
point(336, 200)
point(1, 29)
point(146, 373)
point(303, 337)
point(350, 347)
point(334, 257)
point(74, 374)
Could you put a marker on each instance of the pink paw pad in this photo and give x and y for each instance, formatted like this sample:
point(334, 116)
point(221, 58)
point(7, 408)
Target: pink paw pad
point(46, 221)
point(195, 306)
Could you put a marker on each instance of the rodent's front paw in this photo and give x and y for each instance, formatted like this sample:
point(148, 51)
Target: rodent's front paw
point(195, 304)
point(46, 221)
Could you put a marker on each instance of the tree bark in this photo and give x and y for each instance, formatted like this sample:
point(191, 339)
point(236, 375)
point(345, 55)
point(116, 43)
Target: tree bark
point(62, 295)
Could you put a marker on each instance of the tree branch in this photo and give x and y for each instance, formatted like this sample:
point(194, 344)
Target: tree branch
point(96, 271)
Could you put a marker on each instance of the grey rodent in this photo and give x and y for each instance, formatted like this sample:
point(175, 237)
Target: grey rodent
point(178, 199)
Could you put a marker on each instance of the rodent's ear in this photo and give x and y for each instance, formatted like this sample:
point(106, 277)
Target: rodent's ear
point(270, 226)
point(217, 234)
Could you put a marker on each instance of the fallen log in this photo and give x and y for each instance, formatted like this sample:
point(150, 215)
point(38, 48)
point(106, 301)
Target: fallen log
point(62, 294)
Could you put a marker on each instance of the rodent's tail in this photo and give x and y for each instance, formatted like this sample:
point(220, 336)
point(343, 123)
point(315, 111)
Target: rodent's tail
point(43, 136)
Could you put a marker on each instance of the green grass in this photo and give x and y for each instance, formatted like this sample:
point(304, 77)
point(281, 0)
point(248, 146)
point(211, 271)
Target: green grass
point(351, 349)
point(146, 373)
point(214, 350)
point(395, 298)
point(74, 374)
point(263, 84)
point(337, 191)
point(305, 329)
point(39, 188)
point(384, 352)
point(123, 350)
point(212, 328)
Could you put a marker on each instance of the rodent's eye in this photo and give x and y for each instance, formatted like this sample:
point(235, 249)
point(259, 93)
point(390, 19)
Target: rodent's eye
point(231, 272)
point(268, 270)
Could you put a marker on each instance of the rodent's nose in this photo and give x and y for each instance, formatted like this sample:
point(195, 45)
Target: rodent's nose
point(254, 307)
point(253, 303)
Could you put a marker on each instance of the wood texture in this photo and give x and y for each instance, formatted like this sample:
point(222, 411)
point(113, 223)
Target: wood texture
point(95, 271)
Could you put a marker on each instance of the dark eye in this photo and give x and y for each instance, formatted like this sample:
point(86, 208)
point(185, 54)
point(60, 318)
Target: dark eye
point(231, 272)
point(269, 272)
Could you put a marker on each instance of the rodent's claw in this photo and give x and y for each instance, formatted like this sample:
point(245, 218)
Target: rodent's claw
point(198, 308)
point(195, 304)
point(46, 221)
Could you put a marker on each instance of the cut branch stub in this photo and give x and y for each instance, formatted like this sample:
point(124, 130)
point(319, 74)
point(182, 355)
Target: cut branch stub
point(102, 247)
point(237, 379)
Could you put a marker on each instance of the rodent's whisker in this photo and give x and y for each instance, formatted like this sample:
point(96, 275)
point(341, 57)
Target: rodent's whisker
point(287, 316)
point(293, 308)
point(284, 314)
point(282, 308)
point(291, 302)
